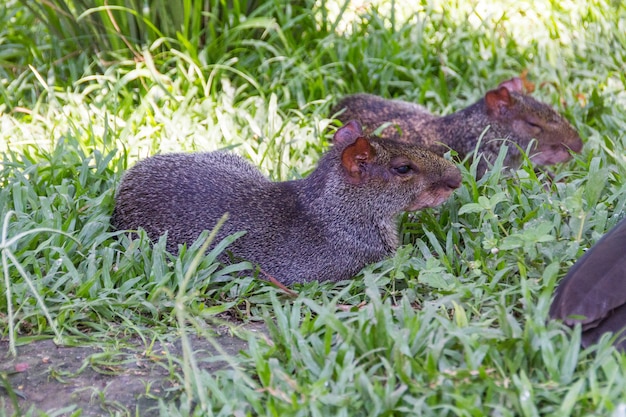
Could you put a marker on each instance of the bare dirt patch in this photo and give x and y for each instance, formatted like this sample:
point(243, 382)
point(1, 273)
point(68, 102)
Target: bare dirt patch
point(100, 381)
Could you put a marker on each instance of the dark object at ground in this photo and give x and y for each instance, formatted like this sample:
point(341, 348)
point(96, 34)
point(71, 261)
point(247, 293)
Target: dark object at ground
point(593, 293)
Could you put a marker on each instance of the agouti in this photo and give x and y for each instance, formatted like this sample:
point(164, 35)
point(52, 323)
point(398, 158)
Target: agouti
point(507, 112)
point(327, 226)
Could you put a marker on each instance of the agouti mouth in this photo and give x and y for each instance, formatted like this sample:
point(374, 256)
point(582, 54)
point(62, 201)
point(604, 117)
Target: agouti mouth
point(553, 155)
point(430, 199)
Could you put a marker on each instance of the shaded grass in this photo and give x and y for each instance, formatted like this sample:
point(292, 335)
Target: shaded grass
point(454, 324)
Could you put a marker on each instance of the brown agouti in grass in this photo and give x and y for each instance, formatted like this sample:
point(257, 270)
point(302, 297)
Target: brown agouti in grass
point(506, 111)
point(327, 226)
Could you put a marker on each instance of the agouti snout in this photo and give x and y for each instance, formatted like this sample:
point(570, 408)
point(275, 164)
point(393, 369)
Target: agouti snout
point(531, 119)
point(327, 226)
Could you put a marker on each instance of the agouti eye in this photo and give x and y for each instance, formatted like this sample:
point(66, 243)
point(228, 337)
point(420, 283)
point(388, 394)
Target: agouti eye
point(535, 126)
point(403, 169)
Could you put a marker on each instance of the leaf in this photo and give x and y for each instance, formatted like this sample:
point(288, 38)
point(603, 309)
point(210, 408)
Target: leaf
point(460, 317)
point(571, 398)
point(471, 208)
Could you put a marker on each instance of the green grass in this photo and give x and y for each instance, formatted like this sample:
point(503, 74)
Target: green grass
point(454, 324)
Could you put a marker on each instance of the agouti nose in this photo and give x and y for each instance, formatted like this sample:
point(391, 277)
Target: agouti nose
point(452, 178)
point(576, 145)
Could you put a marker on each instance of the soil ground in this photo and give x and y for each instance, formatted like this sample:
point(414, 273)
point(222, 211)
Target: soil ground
point(100, 382)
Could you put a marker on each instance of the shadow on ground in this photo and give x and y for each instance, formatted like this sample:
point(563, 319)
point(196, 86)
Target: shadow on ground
point(96, 380)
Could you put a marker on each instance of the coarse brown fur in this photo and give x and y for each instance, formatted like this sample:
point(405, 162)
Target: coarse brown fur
point(505, 113)
point(327, 226)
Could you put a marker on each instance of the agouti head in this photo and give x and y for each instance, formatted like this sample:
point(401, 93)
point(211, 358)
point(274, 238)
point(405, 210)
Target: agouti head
point(398, 176)
point(530, 119)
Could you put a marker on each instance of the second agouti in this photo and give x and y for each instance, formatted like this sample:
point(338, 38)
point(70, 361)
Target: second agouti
point(327, 226)
point(507, 112)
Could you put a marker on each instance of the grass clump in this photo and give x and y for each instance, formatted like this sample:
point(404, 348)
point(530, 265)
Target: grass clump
point(454, 324)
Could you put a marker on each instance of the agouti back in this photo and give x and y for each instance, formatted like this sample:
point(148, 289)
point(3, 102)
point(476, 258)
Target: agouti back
point(327, 226)
point(506, 111)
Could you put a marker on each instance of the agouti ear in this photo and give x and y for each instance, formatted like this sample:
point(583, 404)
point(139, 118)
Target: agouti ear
point(355, 157)
point(515, 84)
point(498, 100)
point(348, 133)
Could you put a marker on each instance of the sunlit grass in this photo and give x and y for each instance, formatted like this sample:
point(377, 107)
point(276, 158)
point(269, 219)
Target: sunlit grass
point(454, 324)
